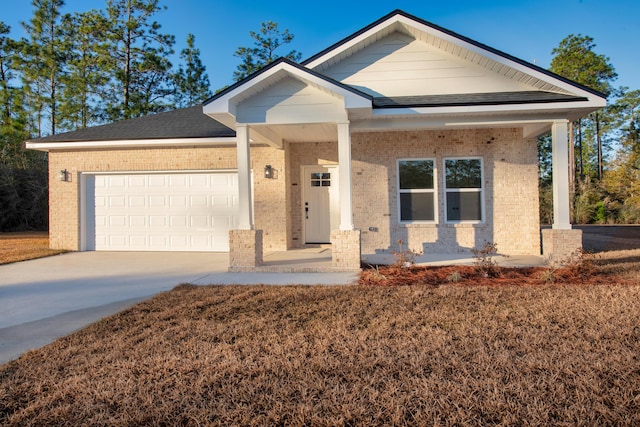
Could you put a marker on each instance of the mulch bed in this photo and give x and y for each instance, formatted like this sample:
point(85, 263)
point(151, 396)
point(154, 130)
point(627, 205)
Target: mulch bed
point(468, 275)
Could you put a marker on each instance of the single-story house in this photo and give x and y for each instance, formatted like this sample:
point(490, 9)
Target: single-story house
point(402, 131)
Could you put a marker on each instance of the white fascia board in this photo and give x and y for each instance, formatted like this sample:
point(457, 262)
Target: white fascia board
point(353, 42)
point(135, 143)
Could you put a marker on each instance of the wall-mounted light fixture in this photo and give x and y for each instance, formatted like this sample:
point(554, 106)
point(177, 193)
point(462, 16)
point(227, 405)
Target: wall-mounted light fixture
point(268, 172)
point(64, 175)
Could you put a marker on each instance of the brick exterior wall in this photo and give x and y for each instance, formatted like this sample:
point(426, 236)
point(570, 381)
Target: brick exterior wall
point(245, 249)
point(560, 246)
point(64, 198)
point(510, 190)
point(345, 247)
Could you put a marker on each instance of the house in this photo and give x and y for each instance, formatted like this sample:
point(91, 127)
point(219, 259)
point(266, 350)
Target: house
point(401, 131)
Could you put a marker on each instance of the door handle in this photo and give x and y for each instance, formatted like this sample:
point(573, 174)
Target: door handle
point(306, 213)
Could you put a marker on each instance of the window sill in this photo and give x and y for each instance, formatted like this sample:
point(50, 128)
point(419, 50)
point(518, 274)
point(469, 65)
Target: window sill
point(447, 225)
point(418, 224)
point(465, 225)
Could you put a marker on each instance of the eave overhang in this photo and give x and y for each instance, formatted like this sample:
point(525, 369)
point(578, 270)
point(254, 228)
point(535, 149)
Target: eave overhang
point(135, 143)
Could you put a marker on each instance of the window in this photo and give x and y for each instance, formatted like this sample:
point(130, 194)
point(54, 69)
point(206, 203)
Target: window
point(321, 179)
point(416, 190)
point(463, 190)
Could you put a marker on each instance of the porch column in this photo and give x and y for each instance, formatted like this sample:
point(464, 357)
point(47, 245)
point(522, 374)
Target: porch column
point(245, 243)
point(245, 220)
point(344, 171)
point(345, 242)
point(561, 244)
point(560, 159)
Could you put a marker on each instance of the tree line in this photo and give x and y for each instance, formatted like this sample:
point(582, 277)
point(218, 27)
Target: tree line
point(76, 70)
point(604, 146)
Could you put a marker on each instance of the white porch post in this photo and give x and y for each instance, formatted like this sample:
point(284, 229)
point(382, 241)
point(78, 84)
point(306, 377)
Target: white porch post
point(244, 178)
point(344, 170)
point(560, 157)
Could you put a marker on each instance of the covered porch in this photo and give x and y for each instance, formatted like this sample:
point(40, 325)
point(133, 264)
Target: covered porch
point(285, 107)
point(319, 260)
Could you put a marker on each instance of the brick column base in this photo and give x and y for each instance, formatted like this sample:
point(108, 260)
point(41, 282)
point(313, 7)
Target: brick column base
point(559, 246)
point(245, 249)
point(345, 249)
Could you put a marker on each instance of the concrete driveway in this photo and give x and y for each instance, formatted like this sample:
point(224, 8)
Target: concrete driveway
point(44, 299)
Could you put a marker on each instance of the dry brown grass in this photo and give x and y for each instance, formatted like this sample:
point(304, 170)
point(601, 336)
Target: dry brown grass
point(16, 247)
point(357, 355)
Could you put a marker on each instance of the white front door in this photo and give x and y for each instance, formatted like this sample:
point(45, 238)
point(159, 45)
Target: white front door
point(320, 210)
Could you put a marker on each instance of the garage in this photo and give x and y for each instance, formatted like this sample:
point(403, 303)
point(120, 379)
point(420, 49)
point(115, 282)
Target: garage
point(181, 211)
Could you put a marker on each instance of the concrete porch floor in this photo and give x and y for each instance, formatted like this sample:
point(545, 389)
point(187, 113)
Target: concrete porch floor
point(318, 259)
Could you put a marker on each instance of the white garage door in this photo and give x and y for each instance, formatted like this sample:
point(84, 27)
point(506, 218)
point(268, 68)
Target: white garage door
point(164, 212)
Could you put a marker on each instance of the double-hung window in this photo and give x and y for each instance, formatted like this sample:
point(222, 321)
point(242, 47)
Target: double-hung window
point(463, 190)
point(416, 190)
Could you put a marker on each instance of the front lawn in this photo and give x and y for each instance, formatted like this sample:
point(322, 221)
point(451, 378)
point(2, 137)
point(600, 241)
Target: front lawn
point(23, 246)
point(451, 354)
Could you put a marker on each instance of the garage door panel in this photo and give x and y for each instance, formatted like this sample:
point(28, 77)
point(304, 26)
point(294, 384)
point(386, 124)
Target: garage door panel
point(138, 221)
point(181, 211)
point(137, 201)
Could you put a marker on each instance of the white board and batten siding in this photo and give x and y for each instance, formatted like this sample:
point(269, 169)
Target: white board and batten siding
point(398, 65)
point(182, 211)
point(292, 101)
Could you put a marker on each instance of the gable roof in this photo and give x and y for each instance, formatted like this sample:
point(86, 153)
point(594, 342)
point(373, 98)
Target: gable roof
point(222, 106)
point(181, 123)
point(277, 64)
point(389, 23)
point(213, 121)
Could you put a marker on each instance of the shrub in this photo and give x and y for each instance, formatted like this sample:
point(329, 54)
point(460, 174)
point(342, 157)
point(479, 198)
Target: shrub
point(404, 256)
point(484, 259)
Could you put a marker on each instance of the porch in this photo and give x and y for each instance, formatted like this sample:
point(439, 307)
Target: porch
point(317, 259)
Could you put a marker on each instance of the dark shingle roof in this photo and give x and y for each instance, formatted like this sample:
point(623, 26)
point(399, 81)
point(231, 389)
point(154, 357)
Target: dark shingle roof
point(188, 122)
point(467, 99)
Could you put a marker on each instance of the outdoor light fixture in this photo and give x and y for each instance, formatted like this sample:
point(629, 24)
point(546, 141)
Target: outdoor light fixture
point(268, 172)
point(64, 175)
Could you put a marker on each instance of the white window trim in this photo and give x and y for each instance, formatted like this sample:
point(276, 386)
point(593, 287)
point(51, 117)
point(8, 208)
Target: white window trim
point(416, 190)
point(464, 190)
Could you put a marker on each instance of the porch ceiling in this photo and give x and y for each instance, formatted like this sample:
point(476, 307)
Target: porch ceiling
point(312, 132)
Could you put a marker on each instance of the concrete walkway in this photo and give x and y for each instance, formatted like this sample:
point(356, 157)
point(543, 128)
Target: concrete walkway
point(44, 299)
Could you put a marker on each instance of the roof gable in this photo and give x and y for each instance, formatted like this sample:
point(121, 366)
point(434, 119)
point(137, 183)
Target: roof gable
point(399, 65)
point(224, 105)
point(409, 32)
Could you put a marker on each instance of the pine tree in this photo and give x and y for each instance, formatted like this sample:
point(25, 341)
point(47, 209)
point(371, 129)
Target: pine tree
point(138, 59)
point(43, 59)
point(191, 82)
point(13, 122)
point(266, 41)
point(84, 83)
point(576, 59)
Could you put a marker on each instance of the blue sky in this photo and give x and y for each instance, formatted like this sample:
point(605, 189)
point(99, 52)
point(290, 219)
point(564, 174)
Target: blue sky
point(526, 29)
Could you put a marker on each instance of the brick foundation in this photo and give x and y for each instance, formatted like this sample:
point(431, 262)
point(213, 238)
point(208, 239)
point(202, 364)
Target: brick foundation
point(245, 249)
point(345, 248)
point(559, 246)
